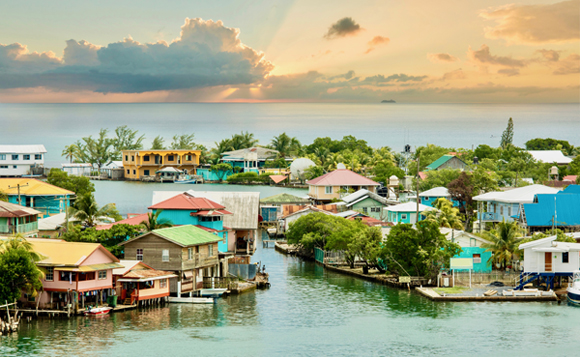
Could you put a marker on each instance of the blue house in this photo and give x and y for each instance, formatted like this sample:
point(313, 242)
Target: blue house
point(471, 247)
point(184, 209)
point(33, 193)
point(429, 197)
point(505, 205)
point(548, 211)
point(406, 213)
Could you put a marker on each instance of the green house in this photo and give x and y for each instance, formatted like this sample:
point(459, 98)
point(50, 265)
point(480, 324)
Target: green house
point(368, 203)
point(16, 219)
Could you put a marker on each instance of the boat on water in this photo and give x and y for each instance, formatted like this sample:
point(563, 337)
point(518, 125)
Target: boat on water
point(191, 300)
point(97, 311)
point(573, 291)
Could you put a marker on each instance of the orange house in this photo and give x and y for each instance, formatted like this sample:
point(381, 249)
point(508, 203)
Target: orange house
point(136, 282)
point(145, 163)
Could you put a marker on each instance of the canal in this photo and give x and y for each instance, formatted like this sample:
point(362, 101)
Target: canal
point(309, 312)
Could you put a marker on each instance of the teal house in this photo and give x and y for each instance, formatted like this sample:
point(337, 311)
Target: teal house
point(471, 247)
point(429, 197)
point(37, 194)
point(210, 175)
point(406, 213)
point(16, 219)
point(185, 209)
point(366, 202)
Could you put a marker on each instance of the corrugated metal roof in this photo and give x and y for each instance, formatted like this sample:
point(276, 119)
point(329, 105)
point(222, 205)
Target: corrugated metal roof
point(409, 207)
point(262, 153)
point(284, 198)
point(436, 192)
point(22, 149)
point(564, 209)
point(31, 187)
point(342, 177)
point(575, 189)
point(10, 210)
point(185, 235)
point(61, 253)
point(517, 195)
point(550, 156)
point(440, 161)
point(187, 201)
point(133, 220)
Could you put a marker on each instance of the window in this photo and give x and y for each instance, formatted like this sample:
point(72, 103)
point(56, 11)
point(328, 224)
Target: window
point(14, 157)
point(67, 276)
point(328, 190)
point(165, 255)
point(134, 172)
point(472, 242)
point(476, 258)
point(49, 274)
point(25, 157)
point(139, 255)
point(102, 274)
point(3, 166)
point(210, 250)
point(565, 257)
point(133, 158)
point(501, 210)
point(375, 209)
point(128, 171)
point(365, 209)
point(14, 166)
point(37, 156)
point(426, 198)
point(2, 156)
point(126, 157)
point(163, 283)
point(145, 158)
point(188, 157)
point(509, 211)
point(170, 158)
point(190, 253)
point(403, 216)
point(210, 219)
point(146, 172)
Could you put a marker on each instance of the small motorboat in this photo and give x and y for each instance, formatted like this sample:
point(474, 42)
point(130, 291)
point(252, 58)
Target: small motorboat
point(97, 311)
point(573, 291)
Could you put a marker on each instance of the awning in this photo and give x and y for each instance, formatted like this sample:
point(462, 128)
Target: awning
point(551, 249)
point(128, 280)
point(169, 170)
point(94, 267)
point(188, 275)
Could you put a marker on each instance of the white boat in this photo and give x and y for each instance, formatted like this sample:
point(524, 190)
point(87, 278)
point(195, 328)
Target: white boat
point(191, 300)
point(96, 311)
point(212, 292)
point(573, 291)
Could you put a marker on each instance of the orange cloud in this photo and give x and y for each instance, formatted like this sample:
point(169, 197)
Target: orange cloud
point(441, 57)
point(484, 57)
point(377, 41)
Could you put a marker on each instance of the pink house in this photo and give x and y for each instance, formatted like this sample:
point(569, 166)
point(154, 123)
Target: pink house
point(338, 183)
point(77, 274)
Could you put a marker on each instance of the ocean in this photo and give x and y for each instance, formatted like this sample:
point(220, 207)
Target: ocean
point(393, 125)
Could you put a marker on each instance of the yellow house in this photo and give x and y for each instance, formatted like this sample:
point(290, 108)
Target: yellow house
point(140, 163)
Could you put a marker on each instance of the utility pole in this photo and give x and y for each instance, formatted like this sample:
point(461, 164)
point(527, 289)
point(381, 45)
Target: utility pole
point(417, 184)
point(18, 187)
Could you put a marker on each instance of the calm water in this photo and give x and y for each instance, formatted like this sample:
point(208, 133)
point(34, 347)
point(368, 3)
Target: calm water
point(310, 312)
point(394, 125)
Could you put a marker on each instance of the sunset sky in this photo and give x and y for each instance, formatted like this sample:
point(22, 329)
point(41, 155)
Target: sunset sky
point(418, 51)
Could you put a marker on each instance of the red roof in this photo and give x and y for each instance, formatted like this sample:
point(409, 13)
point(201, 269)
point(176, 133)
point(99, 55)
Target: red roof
point(370, 221)
point(188, 202)
point(134, 220)
point(278, 178)
point(342, 177)
point(219, 212)
point(570, 178)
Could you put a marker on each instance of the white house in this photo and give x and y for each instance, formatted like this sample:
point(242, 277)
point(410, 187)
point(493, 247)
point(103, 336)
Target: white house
point(18, 160)
point(546, 256)
point(77, 169)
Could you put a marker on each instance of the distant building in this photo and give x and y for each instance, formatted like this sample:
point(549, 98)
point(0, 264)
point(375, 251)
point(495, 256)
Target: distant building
point(368, 203)
point(33, 193)
point(77, 169)
point(406, 213)
point(471, 247)
point(337, 184)
point(142, 163)
point(548, 211)
point(16, 219)
point(138, 282)
point(429, 197)
point(550, 157)
point(19, 160)
point(250, 159)
point(447, 162)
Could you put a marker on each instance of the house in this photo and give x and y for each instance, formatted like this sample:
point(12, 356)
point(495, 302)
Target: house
point(447, 162)
point(368, 203)
point(143, 163)
point(549, 211)
point(406, 212)
point(244, 207)
point(498, 206)
point(188, 251)
point(292, 217)
point(338, 183)
point(250, 159)
point(79, 274)
point(20, 160)
point(545, 259)
point(429, 197)
point(33, 193)
point(50, 227)
point(133, 219)
point(365, 219)
point(550, 157)
point(77, 169)
point(201, 212)
point(16, 219)
point(471, 247)
point(271, 208)
point(139, 282)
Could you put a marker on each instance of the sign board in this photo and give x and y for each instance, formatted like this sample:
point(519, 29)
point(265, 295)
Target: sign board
point(461, 263)
point(404, 279)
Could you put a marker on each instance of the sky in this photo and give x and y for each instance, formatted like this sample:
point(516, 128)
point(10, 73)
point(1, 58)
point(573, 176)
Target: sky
point(416, 51)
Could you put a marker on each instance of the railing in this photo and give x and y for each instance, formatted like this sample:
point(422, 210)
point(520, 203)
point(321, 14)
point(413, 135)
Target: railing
point(489, 216)
point(218, 283)
point(21, 228)
point(202, 260)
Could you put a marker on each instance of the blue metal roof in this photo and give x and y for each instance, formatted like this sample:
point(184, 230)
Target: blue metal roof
point(574, 189)
point(563, 207)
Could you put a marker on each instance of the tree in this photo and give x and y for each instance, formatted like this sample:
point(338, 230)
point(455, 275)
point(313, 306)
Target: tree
point(221, 170)
point(384, 170)
point(88, 213)
point(3, 196)
point(507, 137)
point(285, 145)
point(313, 172)
point(439, 178)
point(153, 222)
point(550, 144)
point(486, 152)
point(125, 139)
point(157, 143)
point(70, 152)
point(429, 154)
point(183, 141)
point(366, 244)
point(109, 238)
point(484, 180)
point(418, 252)
point(18, 269)
point(242, 141)
point(313, 230)
point(445, 214)
point(462, 191)
point(503, 244)
point(80, 185)
point(98, 151)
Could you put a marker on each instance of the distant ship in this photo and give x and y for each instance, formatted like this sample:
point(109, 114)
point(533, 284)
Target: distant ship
point(388, 101)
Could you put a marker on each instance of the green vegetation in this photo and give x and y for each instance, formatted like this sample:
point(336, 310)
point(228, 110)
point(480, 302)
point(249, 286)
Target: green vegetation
point(18, 271)
point(503, 244)
point(109, 238)
point(445, 214)
point(87, 212)
point(153, 222)
point(80, 185)
point(221, 170)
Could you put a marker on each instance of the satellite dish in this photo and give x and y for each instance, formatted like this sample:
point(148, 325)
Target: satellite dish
point(298, 167)
point(341, 166)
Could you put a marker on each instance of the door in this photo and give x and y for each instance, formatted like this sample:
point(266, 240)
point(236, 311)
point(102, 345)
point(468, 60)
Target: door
point(548, 261)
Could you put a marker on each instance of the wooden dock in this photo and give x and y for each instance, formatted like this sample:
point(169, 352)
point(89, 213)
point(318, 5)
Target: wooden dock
point(433, 295)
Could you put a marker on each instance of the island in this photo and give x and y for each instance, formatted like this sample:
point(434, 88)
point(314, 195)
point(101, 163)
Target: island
point(388, 101)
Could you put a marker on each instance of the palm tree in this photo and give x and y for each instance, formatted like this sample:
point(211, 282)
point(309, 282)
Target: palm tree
point(153, 222)
point(243, 141)
point(285, 145)
point(223, 146)
point(445, 214)
point(88, 213)
point(503, 243)
point(18, 265)
point(70, 152)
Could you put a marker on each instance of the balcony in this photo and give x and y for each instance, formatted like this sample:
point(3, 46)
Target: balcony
point(24, 228)
point(489, 217)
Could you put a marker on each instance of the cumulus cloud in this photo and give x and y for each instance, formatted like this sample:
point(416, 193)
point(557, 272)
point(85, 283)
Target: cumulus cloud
point(348, 75)
point(550, 55)
point(441, 57)
point(535, 24)
point(342, 28)
point(484, 57)
point(377, 41)
point(380, 79)
point(457, 74)
point(509, 71)
point(206, 54)
point(568, 65)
